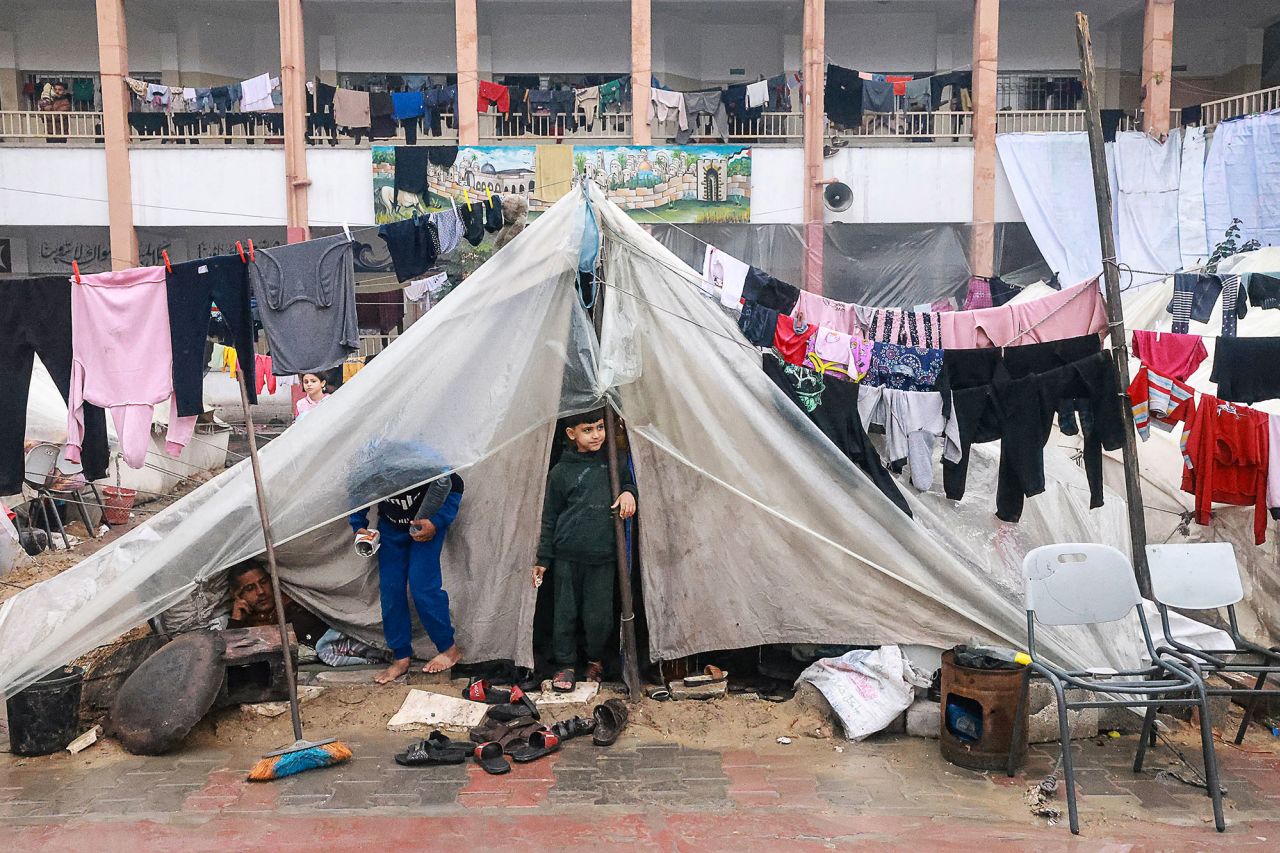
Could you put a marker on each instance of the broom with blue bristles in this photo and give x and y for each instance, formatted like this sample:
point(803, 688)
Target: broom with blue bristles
point(302, 754)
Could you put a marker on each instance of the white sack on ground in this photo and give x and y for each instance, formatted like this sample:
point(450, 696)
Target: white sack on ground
point(867, 688)
point(1146, 180)
point(479, 374)
point(1193, 248)
point(755, 528)
point(1051, 176)
point(1242, 179)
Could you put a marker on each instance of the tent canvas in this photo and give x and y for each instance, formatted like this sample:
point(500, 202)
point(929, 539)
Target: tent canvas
point(755, 528)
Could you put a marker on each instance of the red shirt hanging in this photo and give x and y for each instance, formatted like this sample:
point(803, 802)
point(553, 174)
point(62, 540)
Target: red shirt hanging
point(791, 341)
point(494, 93)
point(1227, 449)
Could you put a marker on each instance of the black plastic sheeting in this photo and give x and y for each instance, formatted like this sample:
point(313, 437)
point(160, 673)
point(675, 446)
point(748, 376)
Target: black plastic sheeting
point(897, 265)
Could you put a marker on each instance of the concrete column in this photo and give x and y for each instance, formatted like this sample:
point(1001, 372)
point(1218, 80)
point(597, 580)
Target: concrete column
point(815, 68)
point(10, 97)
point(986, 41)
point(641, 71)
point(113, 59)
point(464, 12)
point(1157, 66)
point(293, 75)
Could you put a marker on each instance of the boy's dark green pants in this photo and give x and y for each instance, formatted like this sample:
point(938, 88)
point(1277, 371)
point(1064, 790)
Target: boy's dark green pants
point(584, 595)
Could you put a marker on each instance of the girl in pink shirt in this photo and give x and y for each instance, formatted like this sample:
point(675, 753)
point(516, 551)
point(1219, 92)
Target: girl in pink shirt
point(313, 387)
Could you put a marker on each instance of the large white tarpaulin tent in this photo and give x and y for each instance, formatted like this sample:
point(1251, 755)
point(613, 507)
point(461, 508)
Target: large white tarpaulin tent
point(754, 527)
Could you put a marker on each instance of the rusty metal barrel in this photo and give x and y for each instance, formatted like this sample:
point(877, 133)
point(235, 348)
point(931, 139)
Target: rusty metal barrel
point(978, 711)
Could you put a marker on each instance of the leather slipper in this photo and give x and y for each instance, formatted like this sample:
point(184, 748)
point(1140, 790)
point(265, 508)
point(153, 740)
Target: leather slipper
point(611, 719)
point(489, 757)
point(542, 742)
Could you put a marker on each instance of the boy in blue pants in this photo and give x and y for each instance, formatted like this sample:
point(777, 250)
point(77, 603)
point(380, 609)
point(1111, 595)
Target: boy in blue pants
point(409, 558)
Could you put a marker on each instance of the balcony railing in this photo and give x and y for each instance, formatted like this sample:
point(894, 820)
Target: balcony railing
point(500, 127)
point(1264, 100)
point(936, 127)
point(1051, 121)
point(59, 127)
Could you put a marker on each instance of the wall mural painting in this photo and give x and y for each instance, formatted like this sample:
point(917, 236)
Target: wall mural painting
point(478, 171)
point(672, 183)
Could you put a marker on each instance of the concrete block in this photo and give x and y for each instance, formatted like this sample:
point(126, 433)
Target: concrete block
point(700, 691)
point(1042, 723)
point(924, 718)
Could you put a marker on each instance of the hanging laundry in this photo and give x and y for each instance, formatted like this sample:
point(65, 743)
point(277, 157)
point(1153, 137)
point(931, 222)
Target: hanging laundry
point(216, 360)
point(407, 105)
point(831, 313)
point(1068, 313)
point(1169, 354)
point(614, 94)
point(877, 96)
point(1001, 291)
point(851, 352)
point(255, 94)
point(919, 94)
point(899, 82)
point(770, 291)
point(351, 108)
point(1194, 295)
point(791, 338)
point(1263, 290)
point(443, 156)
point(779, 94)
point(449, 227)
point(905, 368)
point(350, 369)
point(123, 360)
point(493, 213)
point(35, 314)
point(192, 288)
point(587, 102)
point(978, 295)
point(974, 377)
point(493, 94)
point(843, 97)
point(424, 288)
point(413, 246)
point(473, 221)
point(703, 104)
point(382, 124)
point(381, 312)
point(912, 422)
point(758, 323)
point(1229, 457)
point(724, 275)
point(890, 325)
point(230, 361)
point(1273, 465)
point(411, 169)
point(757, 94)
point(1111, 123)
point(553, 172)
point(266, 380)
point(1244, 369)
point(1160, 400)
point(832, 406)
point(306, 301)
point(668, 105)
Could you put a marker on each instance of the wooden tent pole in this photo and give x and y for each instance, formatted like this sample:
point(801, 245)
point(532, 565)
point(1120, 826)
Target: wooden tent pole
point(1115, 308)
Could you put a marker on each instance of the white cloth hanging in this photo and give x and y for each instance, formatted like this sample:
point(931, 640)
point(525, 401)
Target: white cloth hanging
point(757, 94)
point(1191, 228)
point(255, 94)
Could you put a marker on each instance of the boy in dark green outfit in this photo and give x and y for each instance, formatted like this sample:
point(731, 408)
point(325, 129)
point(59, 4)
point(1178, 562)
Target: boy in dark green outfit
point(578, 543)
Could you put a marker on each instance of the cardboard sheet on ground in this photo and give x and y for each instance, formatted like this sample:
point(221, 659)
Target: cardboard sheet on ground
point(754, 527)
point(423, 709)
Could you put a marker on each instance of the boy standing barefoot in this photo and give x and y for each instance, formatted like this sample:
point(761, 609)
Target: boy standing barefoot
point(577, 543)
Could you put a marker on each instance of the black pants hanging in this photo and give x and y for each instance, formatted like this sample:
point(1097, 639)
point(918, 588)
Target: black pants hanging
point(192, 288)
point(35, 314)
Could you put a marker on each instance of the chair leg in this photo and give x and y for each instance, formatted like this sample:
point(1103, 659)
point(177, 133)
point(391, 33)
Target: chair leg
point(84, 516)
point(1019, 723)
point(1210, 761)
point(1147, 738)
point(1068, 768)
point(1248, 709)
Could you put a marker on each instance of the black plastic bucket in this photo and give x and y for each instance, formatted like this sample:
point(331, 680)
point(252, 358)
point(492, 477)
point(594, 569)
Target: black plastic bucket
point(45, 717)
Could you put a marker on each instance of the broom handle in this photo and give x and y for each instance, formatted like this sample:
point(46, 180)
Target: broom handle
point(271, 560)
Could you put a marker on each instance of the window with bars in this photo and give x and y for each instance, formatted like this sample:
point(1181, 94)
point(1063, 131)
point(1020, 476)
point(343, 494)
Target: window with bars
point(1021, 91)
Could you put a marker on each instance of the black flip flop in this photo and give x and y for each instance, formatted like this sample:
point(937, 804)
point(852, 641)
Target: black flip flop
point(489, 757)
point(542, 742)
point(611, 718)
point(431, 751)
point(573, 727)
point(564, 675)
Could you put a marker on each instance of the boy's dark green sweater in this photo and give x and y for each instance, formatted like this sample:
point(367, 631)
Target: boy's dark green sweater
point(577, 523)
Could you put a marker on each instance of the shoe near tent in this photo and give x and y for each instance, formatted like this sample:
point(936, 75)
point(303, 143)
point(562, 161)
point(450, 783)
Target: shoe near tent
point(756, 528)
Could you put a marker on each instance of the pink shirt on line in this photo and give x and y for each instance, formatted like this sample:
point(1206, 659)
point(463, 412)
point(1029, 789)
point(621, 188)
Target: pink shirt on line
point(1069, 313)
point(122, 360)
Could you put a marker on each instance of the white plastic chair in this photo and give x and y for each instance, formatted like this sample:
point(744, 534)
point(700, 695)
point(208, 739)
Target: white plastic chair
point(1205, 576)
point(1088, 584)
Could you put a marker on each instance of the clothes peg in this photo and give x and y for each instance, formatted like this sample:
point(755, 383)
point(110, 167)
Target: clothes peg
point(466, 197)
point(251, 257)
point(346, 231)
point(167, 266)
point(489, 194)
point(240, 251)
point(75, 268)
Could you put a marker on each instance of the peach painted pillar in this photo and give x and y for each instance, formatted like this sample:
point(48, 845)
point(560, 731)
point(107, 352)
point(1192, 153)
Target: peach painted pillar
point(1157, 66)
point(113, 60)
point(464, 12)
point(641, 71)
point(815, 69)
point(986, 41)
point(293, 88)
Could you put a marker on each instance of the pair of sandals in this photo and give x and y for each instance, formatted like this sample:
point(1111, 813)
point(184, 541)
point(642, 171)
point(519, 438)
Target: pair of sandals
point(566, 680)
point(607, 722)
point(435, 749)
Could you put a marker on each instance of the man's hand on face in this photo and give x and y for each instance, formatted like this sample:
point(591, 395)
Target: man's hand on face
point(239, 610)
